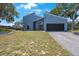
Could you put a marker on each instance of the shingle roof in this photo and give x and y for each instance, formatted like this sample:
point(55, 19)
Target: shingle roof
point(32, 17)
point(55, 15)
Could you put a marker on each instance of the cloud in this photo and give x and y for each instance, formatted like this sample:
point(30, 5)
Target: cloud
point(22, 5)
point(7, 24)
point(18, 7)
point(37, 10)
point(69, 20)
point(27, 6)
point(77, 19)
point(78, 12)
point(33, 8)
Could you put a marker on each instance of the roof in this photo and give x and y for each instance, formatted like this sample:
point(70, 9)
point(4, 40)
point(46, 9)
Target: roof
point(55, 15)
point(32, 17)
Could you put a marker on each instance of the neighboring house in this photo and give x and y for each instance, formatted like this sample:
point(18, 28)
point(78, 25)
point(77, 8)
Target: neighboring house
point(48, 23)
point(3, 26)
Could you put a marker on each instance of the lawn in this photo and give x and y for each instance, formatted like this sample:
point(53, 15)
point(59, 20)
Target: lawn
point(30, 43)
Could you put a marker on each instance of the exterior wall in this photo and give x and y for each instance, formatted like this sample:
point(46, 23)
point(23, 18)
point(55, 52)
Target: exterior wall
point(29, 19)
point(38, 23)
point(49, 19)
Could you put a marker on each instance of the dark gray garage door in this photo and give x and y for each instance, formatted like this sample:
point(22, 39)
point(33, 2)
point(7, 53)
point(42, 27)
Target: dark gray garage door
point(55, 27)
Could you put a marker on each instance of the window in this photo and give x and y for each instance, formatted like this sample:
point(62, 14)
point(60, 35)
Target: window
point(27, 27)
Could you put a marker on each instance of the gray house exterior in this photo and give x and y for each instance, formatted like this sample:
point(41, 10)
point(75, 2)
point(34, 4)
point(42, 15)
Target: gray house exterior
point(39, 24)
point(28, 21)
point(48, 23)
point(55, 22)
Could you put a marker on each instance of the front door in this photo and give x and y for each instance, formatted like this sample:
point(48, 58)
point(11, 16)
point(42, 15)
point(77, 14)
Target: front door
point(34, 25)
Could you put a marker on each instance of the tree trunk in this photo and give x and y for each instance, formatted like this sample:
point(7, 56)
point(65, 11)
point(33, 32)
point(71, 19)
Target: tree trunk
point(73, 25)
point(73, 21)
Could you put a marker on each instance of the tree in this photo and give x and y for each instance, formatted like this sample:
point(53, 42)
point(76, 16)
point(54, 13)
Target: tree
point(68, 10)
point(7, 12)
point(55, 11)
point(18, 25)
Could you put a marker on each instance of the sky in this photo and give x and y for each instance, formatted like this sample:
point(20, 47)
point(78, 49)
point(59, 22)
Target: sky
point(28, 8)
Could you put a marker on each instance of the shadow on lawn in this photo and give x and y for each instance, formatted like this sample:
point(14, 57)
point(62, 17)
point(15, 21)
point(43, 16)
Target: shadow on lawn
point(76, 33)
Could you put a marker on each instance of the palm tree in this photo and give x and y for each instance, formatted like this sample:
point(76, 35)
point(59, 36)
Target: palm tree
point(55, 11)
point(7, 12)
point(67, 10)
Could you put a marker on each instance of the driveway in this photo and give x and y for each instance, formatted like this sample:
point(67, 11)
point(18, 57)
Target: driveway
point(67, 40)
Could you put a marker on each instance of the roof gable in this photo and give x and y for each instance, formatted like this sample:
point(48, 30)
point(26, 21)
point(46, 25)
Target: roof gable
point(56, 16)
point(31, 17)
point(49, 18)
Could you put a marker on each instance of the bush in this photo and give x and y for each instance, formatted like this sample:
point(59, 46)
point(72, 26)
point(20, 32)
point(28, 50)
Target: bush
point(69, 26)
point(5, 30)
point(77, 25)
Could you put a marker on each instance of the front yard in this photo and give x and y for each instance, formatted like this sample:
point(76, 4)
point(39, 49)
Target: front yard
point(32, 43)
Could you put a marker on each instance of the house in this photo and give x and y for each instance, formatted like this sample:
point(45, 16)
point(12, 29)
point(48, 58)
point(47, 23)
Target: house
point(54, 23)
point(29, 21)
point(48, 23)
point(3, 26)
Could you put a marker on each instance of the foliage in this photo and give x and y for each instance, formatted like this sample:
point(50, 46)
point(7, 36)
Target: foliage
point(69, 25)
point(55, 11)
point(7, 12)
point(77, 25)
point(68, 10)
point(18, 25)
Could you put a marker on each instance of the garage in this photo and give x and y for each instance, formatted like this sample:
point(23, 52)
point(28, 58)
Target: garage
point(54, 23)
point(55, 27)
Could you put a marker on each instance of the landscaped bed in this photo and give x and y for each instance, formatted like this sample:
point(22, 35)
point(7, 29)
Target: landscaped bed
point(32, 43)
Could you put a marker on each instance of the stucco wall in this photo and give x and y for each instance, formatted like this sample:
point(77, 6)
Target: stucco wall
point(49, 19)
point(29, 19)
point(38, 23)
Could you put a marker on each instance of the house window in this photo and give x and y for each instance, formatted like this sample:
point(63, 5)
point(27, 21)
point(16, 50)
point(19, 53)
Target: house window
point(27, 27)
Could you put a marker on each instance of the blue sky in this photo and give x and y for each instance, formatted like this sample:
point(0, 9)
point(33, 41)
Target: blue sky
point(27, 8)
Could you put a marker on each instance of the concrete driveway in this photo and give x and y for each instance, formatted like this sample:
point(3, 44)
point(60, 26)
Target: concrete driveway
point(67, 40)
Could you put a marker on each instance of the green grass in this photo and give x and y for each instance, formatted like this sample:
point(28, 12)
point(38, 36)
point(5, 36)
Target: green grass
point(32, 43)
point(73, 30)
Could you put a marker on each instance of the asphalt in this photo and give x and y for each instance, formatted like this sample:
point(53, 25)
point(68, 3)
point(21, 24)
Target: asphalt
point(3, 33)
point(67, 40)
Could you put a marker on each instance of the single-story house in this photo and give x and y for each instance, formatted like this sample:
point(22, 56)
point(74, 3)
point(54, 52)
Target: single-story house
point(47, 23)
